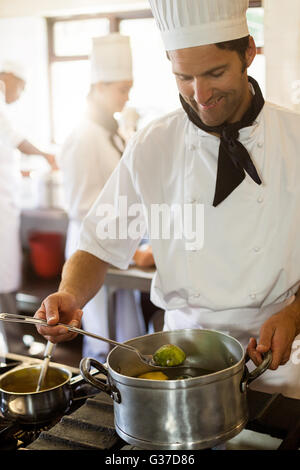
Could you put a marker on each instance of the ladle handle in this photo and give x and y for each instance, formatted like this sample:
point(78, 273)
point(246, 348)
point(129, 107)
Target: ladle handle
point(11, 317)
point(47, 356)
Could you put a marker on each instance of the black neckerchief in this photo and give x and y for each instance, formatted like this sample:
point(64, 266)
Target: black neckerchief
point(233, 159)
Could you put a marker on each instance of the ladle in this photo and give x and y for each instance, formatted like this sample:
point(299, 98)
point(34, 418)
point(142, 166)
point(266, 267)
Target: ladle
point(145, 358)
point(47, 356)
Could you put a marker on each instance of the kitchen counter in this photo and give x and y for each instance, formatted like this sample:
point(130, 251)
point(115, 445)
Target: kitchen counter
point(34, 289)
point(131, 278)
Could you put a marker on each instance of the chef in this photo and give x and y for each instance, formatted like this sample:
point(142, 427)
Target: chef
point(236, 159)
point(13, 77)
point(12, 83)
point(87, 159)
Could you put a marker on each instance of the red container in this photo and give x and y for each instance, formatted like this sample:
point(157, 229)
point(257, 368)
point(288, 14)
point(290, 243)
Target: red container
point(47, 253)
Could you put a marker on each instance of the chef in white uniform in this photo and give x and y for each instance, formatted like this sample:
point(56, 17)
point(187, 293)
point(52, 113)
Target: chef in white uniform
point(227, 156)
point(12, 83)
point(87, 159)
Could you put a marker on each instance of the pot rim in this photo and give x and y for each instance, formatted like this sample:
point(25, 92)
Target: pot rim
point(34, 366)
point(208, 378)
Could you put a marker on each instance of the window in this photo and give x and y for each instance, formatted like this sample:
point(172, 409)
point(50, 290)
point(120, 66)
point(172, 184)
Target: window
point(255, 17)
point(154, 92)
point(69, 47)
point(73, 38)
point(70, 84)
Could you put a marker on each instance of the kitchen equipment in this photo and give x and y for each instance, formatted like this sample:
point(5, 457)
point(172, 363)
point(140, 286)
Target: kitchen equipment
point(47, 188)
point(47, 356)
point(274, 421)
point(145, 358)
point(22, 403)
point(46, 253)
point(4, 367)
point(194, 413)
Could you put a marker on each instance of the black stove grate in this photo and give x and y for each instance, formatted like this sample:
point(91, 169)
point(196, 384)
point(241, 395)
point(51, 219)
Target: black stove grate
point(83, 430)
point(276, 416)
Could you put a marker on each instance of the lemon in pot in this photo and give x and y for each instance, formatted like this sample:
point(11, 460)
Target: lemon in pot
point(153, 376)
point(169, 355)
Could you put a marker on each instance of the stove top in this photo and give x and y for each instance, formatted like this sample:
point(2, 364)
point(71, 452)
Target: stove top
point(89, 423)
point(15, 435)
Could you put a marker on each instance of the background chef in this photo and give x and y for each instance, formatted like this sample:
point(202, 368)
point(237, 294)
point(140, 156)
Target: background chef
point(236, 155)
point(12, 84)
point(87, 159)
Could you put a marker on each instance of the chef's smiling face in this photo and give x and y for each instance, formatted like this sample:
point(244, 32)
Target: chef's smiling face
point(213, 81)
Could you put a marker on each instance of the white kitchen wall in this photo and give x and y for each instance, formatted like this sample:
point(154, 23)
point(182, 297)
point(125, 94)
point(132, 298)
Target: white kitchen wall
point(24, 40)
point(53, 7)
point(282, 52)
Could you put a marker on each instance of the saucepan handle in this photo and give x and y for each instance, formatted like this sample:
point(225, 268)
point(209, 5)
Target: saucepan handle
point(85, 367)
point(248, 377)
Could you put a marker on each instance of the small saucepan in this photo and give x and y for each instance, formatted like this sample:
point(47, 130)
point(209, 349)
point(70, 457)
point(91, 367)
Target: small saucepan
point(20, 401)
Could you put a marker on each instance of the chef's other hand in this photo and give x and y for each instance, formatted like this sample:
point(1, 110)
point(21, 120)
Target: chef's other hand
point(59, 307)
point(144, 257)
point(277, 334)
point(51, 160)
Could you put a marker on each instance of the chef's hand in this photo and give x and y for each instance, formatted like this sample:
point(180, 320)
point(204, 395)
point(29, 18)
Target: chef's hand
point(59, 307)
point(277, 334)
point(51, 160)
point(128, 123)
point(144, 257)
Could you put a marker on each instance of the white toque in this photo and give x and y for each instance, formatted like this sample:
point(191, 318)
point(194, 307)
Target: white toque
point(190, 23)
point(111, 59)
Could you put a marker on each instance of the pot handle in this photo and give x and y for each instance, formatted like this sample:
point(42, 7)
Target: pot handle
point(85, 366)
point(248, 377)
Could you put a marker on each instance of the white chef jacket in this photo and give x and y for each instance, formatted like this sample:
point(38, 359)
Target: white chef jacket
point(87, 159)
point(249, 263)
point(9, 136)
point(10, 247)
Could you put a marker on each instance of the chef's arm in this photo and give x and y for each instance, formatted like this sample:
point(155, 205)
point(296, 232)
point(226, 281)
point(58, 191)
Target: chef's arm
point(29, 149)
point(277, 334)
point(83, 275)
point(295, 310)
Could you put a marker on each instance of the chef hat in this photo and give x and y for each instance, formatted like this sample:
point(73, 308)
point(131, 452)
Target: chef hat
point(111, 59)
point(190, 23)
point(16, 68)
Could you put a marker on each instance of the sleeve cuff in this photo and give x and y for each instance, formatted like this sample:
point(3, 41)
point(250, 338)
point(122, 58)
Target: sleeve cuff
point(104, 256)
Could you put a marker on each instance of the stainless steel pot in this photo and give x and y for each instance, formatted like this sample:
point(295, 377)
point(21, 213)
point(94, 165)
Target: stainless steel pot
point(192, 413)
point(20, 402)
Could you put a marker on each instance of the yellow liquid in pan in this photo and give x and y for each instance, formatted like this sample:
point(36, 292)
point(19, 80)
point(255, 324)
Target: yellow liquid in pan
point(26, 380)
